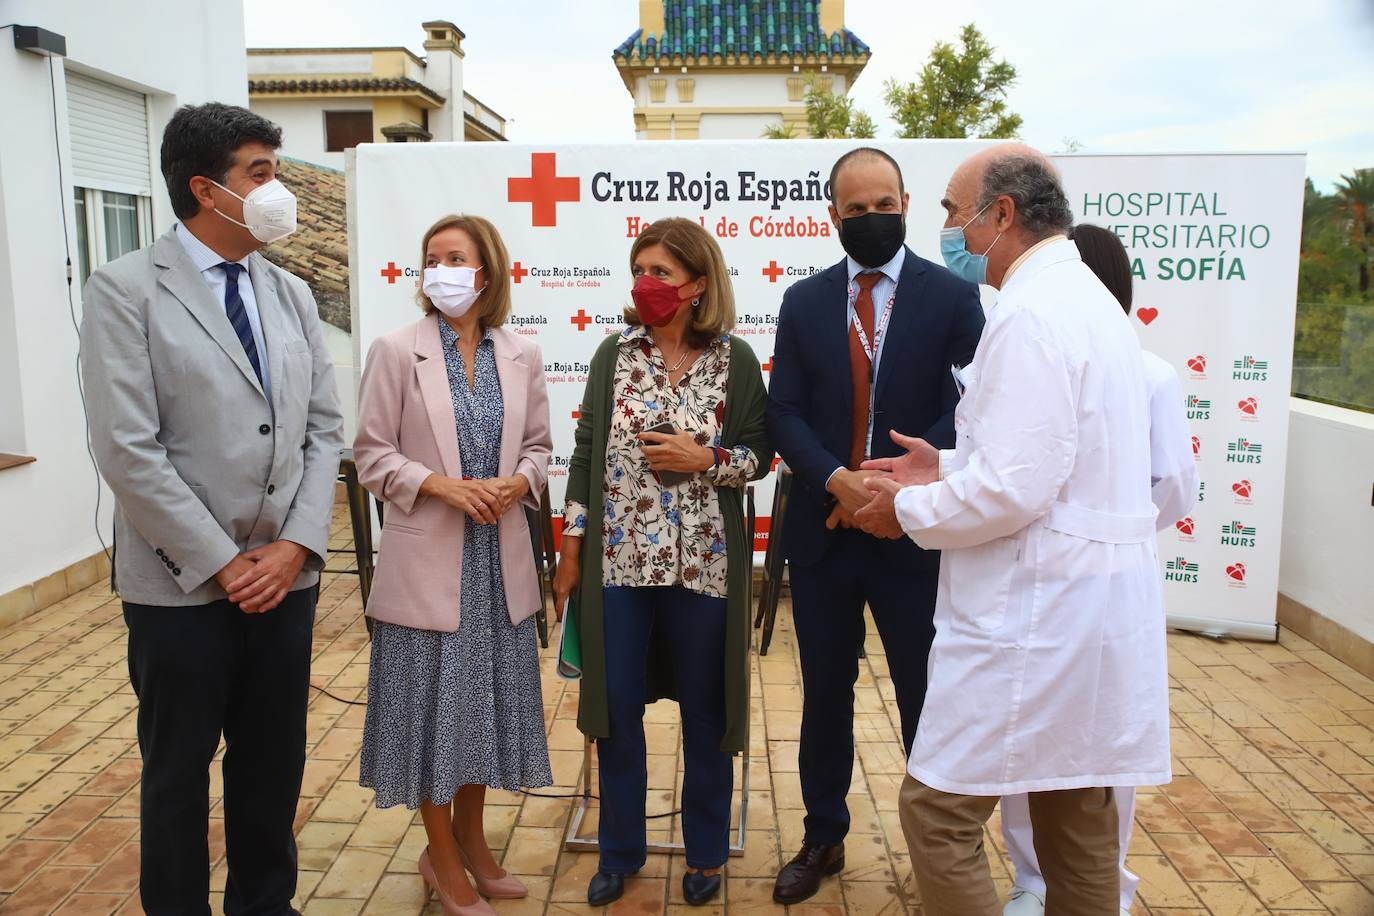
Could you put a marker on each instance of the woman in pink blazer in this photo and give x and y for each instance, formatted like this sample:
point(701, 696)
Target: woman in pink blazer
point(453, 435)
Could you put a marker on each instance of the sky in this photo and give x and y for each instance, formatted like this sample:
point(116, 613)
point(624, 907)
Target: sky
point(1152, 76)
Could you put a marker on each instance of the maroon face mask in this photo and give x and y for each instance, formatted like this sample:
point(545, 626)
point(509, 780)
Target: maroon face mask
point(656, 301)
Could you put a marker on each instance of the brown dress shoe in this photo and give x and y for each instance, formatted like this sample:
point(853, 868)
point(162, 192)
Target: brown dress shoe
point(801, 878)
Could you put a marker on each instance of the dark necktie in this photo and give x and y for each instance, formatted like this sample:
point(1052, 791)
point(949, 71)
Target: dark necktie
point(238, 315)
point(860, 371)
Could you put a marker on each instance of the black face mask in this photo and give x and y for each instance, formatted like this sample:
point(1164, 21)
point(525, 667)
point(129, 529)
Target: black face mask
point(873, 239)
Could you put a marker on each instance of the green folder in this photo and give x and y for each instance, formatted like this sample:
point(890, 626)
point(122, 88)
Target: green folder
point(570, 644)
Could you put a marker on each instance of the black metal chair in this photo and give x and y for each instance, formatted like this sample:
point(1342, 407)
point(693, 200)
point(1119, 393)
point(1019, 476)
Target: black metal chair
point(545, 559)
point(360, 514)
point(774, 563)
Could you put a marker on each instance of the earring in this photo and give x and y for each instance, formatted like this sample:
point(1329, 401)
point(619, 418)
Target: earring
point(696, 302)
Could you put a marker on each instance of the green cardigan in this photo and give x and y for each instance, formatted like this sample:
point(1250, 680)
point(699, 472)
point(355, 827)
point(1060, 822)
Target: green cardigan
point(744, 424)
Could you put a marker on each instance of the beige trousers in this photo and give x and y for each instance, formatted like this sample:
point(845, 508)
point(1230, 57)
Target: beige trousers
point(1076, 842)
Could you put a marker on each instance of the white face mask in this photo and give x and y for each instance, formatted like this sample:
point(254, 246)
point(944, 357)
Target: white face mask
point(269, 211)
point(453, 290)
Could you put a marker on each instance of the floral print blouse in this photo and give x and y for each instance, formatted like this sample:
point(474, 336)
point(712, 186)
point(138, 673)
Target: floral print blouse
point(652, 534)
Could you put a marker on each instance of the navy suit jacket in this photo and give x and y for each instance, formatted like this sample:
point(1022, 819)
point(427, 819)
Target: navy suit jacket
point(936, 322)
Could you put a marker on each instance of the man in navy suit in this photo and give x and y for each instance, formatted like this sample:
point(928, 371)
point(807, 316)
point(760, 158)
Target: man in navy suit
point(863, 349)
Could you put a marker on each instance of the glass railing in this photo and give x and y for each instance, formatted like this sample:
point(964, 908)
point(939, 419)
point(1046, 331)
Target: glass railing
point(1333, 354)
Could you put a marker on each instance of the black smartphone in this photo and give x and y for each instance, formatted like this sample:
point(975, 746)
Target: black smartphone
point(668, 478)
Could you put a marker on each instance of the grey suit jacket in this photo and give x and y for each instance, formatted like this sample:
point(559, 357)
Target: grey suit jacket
point(201, 465)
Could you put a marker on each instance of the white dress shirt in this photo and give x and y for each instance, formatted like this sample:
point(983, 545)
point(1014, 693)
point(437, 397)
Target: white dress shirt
point(882, 290)
point(207, 262)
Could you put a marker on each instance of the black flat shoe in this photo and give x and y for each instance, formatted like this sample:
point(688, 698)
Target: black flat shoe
point(699, 888)
point(605, 889)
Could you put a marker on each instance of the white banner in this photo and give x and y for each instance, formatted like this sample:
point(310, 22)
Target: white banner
point(1215, 241)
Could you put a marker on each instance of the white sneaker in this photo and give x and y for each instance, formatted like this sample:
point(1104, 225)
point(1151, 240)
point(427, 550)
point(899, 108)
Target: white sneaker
point(1023, 903)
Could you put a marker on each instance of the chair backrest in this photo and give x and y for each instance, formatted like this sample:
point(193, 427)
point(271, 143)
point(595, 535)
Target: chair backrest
point(541, 540)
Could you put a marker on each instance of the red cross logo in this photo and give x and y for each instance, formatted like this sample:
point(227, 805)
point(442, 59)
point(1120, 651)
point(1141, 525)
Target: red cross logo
point(768, 366)
point(543, 190)
point(581, 319)
point(518, 272)
point(391, 272)
point(772, 271)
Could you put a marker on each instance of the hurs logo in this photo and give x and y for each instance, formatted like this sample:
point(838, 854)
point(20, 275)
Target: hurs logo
point(1243, 451)
point(1249, 369)
point(1237, 534)
point(1180, 570)
point(1198, 408)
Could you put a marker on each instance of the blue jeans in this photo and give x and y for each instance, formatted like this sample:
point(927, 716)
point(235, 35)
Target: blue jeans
point(694, 627)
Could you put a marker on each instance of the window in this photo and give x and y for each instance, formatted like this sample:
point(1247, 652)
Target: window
point(83, 239)
point(1333, 348)
point(111, 171)
point(346, 129)
point(109, 225)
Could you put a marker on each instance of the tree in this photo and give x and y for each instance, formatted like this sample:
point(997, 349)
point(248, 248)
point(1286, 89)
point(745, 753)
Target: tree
point(1317, 213)
point(961, 93)
point(828, 116)
point(1355, 202)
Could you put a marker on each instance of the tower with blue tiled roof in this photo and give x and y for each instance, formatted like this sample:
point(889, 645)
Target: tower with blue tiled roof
point(728, 69)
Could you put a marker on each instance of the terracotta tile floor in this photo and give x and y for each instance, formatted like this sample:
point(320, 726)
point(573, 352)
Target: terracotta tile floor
point(1272, 810)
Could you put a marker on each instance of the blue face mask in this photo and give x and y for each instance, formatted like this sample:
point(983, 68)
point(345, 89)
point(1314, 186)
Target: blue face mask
point(962, 263)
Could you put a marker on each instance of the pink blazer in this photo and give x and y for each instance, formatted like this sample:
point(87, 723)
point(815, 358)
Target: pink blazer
point(406, 431)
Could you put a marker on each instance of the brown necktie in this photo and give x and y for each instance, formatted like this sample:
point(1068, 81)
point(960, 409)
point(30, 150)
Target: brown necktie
point(859, 366)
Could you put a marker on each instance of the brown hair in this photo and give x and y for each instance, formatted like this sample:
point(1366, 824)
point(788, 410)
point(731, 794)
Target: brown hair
point(696, 250)
point(493, 304)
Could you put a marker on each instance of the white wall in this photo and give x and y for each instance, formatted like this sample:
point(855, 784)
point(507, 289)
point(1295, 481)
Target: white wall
point(1328, 521)
point(341, 355)
point(47, 514)
point(735, 126)
point(304, 66)
point(302, 125)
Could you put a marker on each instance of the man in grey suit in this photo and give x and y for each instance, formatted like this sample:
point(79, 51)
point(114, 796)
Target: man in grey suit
point(215, 422)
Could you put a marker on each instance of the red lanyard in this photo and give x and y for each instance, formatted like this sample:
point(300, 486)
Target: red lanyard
point(878, 332)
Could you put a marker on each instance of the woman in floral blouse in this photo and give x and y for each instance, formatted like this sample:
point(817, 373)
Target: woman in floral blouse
point(655, 551)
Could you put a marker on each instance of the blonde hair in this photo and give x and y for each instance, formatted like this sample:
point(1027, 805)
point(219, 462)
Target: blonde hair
point(493, 303)
point(696, 250)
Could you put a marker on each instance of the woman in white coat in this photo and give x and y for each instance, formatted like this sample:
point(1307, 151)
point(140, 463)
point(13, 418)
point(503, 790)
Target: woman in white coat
point(1173, 478)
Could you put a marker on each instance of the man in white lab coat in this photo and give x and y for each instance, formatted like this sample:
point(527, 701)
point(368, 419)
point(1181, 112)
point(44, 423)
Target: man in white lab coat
point(1048, 672)
point(1173, 489)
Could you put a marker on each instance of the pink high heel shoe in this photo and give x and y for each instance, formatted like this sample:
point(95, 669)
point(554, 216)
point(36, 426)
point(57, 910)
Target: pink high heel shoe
point(506, 887)
point(480, 908)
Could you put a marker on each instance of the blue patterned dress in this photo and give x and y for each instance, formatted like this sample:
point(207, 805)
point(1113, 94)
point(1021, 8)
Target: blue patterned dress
point(452, 709)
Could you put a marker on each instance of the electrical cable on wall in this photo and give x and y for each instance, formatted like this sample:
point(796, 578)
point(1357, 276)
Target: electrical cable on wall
point(71, 304)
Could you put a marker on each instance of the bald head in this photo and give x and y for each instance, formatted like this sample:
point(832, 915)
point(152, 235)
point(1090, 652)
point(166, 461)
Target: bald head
point(1009, 193)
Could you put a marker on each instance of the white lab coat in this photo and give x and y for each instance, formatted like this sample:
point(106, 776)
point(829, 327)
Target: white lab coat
point(1048, 668)
point(1173, 479)
point(1173, 469)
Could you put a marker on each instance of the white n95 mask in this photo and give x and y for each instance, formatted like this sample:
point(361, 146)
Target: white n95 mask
point(269, 211)
point(453, 290)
